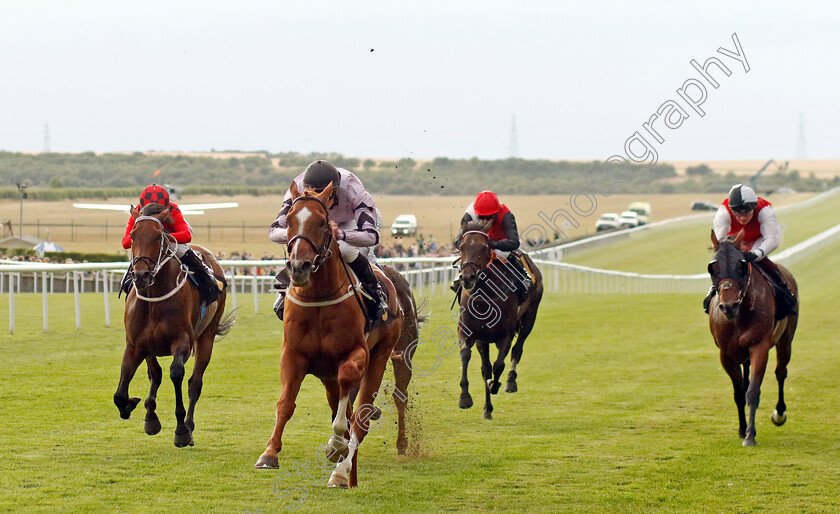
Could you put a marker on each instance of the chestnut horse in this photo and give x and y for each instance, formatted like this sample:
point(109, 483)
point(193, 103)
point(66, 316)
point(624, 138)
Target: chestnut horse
point(324, 335)
point(743, 324)
point(162, 317)
point(491, 312)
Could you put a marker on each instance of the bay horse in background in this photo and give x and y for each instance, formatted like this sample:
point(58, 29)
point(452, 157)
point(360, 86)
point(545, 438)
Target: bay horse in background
point(162, 317)
point(742, 322)
point(491, 312)
point(324, 335)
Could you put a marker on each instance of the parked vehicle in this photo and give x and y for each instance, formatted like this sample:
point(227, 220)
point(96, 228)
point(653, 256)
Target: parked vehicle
point(703, 206)
point(404, 225)
point(607, 221)
point(628, 219)
point(642, 209)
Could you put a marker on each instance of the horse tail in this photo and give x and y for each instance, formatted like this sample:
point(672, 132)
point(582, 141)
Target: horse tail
point(225, 324)
point(421, 314)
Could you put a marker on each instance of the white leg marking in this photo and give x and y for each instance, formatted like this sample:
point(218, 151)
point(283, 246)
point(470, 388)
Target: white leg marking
point(337, 441)
point(343, 468)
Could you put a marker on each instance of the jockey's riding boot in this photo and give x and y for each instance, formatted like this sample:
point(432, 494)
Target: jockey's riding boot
point(203, 274)
point(708, 299)
point(378, 305)
point(523, 281)
point(455, 286)
point(126, 284)
point(282, 285)
point(785, 297)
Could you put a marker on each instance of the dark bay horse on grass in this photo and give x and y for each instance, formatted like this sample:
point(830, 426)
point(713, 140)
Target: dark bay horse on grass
point(743, 324)
point(324, 335)
point(492, 313)
point(164, 316)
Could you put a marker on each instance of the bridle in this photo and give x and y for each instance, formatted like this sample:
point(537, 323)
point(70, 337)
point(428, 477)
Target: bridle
point(464, 263)
point(743, 292)
point(165, 253)
point(323, 252)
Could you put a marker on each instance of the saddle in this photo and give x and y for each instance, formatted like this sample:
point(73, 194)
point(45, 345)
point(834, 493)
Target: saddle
point(368, 305)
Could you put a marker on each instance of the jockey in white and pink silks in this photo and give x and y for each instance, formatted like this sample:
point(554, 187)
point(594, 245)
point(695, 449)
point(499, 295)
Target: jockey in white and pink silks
point(352, 209)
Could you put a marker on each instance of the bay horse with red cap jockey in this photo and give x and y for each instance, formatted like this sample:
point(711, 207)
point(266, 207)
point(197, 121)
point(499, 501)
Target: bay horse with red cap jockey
point(325, 332)
point(752, 303)
point(163, 317)
point(499, 299)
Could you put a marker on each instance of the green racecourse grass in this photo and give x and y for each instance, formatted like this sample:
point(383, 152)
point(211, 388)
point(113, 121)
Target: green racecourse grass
point(622, 406)
point(685, 248)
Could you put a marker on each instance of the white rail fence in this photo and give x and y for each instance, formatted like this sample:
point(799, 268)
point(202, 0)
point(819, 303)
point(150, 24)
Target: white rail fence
point(426, 275)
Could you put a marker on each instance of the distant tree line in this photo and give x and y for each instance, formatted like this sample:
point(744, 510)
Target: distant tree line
point(54, 176)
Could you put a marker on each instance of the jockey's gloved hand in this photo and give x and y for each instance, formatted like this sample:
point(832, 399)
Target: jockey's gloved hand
point(751, 256)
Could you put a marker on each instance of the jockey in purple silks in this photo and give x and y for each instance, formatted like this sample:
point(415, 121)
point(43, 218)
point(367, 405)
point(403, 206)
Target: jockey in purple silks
point(352, 210)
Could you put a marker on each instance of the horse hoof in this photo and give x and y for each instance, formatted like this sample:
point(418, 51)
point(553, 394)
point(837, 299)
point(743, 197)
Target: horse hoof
point(377, 413)
point(510, 387)
point(152, 426)
point(494, 387)
point(487, 415)
point(125, 412)
point(267, 462)
point(465, 402)
point(338, 481)
point(778, 419)
point(749, 441)
point(185, 439)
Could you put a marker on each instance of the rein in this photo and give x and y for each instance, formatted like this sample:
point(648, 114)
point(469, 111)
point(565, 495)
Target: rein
point(464, 263)
point(164, 255)
point(743, 293)
point(322, 253)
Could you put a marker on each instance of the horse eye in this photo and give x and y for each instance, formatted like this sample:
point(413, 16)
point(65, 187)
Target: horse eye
point(711, 267)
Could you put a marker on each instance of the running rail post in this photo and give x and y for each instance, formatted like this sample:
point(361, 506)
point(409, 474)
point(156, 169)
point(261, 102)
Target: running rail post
point(44, 295)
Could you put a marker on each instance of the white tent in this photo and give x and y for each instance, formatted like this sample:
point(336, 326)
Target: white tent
point(47, 246)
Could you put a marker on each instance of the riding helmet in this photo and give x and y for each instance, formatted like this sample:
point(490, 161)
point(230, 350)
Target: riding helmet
point(486, 204)
point(742, 198)
point(154, 194)
point(319, 174)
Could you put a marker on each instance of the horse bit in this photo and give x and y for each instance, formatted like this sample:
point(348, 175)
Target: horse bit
point(464, 264)
point(325, 251)
point(164, 254)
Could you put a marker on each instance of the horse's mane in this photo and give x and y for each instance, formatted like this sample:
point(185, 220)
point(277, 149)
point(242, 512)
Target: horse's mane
point(150, 209)
point(474, 225)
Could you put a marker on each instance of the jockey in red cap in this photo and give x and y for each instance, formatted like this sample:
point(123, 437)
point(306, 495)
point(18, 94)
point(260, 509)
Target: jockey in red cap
point(744, 210)
point(503, 236)
point(180, 234)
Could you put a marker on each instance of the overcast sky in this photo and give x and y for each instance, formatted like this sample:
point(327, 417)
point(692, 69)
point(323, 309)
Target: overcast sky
point(416, 79)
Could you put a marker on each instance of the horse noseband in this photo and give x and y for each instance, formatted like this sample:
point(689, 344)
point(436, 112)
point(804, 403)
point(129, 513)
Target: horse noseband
point(325, 251)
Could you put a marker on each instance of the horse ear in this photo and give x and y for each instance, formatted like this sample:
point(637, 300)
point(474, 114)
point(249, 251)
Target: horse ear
point(294, 190)
point(715, 241)
point(325, 194)
point(164, 214)
point(133, 212)
point(487, 225)
point(739, 238)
